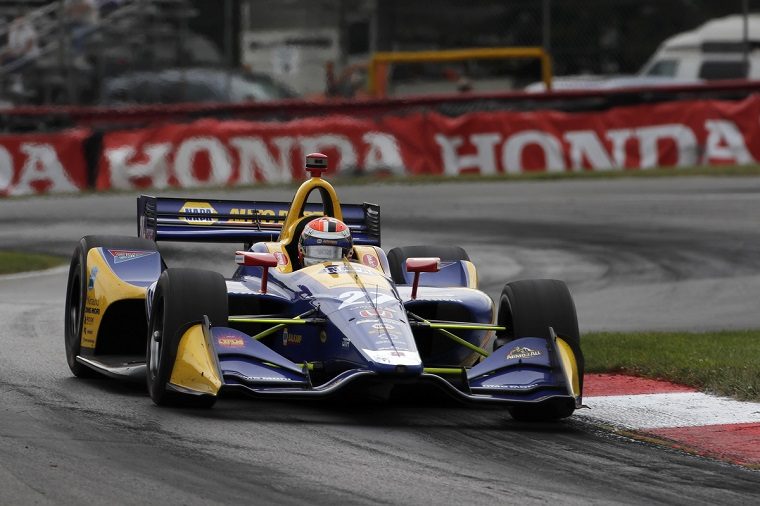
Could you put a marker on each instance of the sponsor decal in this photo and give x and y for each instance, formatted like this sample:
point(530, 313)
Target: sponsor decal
point(382, 313)
point(91, 310)
point(202, 213)
point(522, 352)
point(443, 299)
point(231, 342)
point(124, 255)
point(93, 275)
point(394, 357)
point(288, 338)
point(370, 261)
point(384, 331)
point(355, 297)
point(258, 213)
point(343, 269)
point(346, 342)
point(383, 326)
point(323, 336)
point(383, 343)
point(282, 259)
point(509, 387)
point(266, 378)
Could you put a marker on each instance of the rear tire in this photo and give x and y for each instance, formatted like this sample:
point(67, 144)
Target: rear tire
point(397, 257)
point(182, 297)
point(76, 292)
point(527, 309)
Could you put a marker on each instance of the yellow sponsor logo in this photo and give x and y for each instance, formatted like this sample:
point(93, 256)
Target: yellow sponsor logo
point(198, 213)
point(288, 338)
point(262, 214)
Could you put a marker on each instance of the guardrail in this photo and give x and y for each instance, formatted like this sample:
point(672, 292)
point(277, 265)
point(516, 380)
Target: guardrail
point(22, 119)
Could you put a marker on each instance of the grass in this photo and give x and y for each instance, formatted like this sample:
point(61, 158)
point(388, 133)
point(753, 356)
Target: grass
point(724, 363)
point(12, 262)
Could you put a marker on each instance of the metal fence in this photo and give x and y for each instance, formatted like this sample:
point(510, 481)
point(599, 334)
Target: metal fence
point(138, 51)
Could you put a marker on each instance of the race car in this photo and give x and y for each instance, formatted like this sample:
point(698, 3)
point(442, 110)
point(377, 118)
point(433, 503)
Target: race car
point(371, 324)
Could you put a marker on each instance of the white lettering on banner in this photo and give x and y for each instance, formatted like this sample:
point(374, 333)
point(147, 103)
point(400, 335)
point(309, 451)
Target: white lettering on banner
point(513, 150)
point(725, 143)
point(41, 165)
point(347, 158)
point(277, 159)
point(6, 170)
point(685, 140)
point(155, 168)
point(484, 158)
point(253, 154)
point(585, 145)
point(619, 139)
point(221, 166)
point(383, 153)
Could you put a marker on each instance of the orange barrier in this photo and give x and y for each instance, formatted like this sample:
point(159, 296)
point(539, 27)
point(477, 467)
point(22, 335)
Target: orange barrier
point(378, 67)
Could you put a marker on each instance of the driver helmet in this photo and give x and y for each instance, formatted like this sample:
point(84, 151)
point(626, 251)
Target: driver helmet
point(323, 240)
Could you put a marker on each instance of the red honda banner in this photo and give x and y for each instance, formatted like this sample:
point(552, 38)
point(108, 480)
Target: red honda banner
point(216, 153)
point(43, 163)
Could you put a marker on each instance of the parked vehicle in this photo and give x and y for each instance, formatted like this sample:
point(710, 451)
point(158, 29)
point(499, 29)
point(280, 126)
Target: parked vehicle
point(715, 50)
point(192, 85)
point(712, 51)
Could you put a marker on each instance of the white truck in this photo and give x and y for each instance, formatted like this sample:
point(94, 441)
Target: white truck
point(714, 50)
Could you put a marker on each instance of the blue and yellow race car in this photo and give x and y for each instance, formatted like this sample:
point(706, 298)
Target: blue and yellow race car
point(373, 325)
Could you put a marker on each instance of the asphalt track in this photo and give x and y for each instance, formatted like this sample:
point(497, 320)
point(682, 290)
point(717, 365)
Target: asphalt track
point(637, 254)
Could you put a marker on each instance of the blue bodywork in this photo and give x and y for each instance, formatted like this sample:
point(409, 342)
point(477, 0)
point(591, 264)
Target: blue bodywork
point(350, 324)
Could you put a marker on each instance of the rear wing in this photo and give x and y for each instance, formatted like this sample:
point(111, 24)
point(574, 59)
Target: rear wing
point(208, 220)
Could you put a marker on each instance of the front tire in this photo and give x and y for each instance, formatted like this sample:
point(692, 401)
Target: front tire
point(182, 298)
point(76, 292)
point(527, 309)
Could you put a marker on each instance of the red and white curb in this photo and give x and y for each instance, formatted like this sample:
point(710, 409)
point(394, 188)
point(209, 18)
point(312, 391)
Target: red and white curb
point(676, 415)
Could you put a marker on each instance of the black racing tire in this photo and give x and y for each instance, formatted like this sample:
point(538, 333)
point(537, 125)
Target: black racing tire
point(182, 297)
point(397, 257)
point(76, 291)
point(527, 309)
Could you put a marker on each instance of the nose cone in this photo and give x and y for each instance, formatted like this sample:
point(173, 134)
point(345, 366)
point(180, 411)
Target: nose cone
point(393, 362)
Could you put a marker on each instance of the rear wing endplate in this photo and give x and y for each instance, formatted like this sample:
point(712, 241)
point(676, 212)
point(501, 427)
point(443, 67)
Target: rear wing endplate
point(209, 220)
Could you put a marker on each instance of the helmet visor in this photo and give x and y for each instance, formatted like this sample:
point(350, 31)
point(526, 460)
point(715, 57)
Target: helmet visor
point(316, 254)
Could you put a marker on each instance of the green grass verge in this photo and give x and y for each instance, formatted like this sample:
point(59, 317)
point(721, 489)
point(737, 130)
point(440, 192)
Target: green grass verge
point(12, 262)
point(723, 363)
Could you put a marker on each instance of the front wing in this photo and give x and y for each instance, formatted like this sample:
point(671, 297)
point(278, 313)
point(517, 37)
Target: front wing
point(528, 370)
